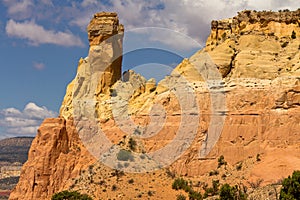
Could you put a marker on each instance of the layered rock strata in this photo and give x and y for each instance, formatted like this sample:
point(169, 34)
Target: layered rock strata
point(243, 102)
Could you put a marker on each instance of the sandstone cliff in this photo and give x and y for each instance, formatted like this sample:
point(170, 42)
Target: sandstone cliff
point(238, 97)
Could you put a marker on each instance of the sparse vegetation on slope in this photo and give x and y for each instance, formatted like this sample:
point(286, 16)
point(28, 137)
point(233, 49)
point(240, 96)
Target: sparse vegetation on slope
point(68, 195)
point(291, 187)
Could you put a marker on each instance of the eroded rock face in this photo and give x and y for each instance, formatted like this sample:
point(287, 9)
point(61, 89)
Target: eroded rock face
point(56, 156)
point(102, 68)
point(246, 87)
point(103, 26)
point(256, 44)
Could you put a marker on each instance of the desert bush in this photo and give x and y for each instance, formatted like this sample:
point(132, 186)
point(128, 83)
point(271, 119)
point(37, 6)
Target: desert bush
point(228, 192)
point(283, 45)
point(293, 35)
point(213, 173)
point(291, 187)
point(193, 195)
point(255, 184)
point(214, 190)
point(70, 195)
point(170, 173)
point(221, 161)
point(150, 193)
point(181, 197)
point(124, 155)
point(180, 183)
point(130, 181)
point(114, 188)
point(132, 144)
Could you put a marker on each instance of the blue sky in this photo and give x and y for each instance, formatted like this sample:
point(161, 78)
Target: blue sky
point(41, 42)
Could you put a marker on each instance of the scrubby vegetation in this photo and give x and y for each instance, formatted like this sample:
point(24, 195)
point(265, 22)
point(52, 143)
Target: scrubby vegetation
point(225, 192)
point(181, 197)
point(181, 184)
point(214, 190)
point(293, 35)
point(124, 155)
point(221, 161)
point(70, 195)
point(228, 192)
point(132, 144)
point(291, 187)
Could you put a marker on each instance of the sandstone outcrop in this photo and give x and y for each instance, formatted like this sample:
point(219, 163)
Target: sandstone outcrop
point(102, 68)
point(256, 44)
point(55, 158)
point(238, 97)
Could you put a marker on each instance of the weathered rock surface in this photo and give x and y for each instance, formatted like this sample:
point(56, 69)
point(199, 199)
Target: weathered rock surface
point(56, 156)
point(254, 44)
point(102, 68)
point(238, 97)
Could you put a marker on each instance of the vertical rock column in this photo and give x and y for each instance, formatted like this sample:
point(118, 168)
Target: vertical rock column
point(105, 56)
point(101, 69)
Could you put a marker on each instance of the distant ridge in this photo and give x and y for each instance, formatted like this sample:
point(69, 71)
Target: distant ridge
point(15, 149)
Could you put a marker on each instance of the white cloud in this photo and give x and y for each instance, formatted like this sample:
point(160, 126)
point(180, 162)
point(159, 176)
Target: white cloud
point(190, 17)
point(37, 35)
point(14, 122)
point(39, 65)
point(19, 8)
point(86, 3)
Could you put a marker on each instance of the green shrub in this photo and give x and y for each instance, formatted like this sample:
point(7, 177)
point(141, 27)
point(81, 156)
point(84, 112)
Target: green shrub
point(214, 190)
point(124, 155)
point(221, 161)
point(193, 195)
point(181, 197)
point(283, 45)
point(213, 173)
point(70, 195)
point(293, 35)
point(132, 144)
point(228, 192)
point(291, 187)
point(130, 181)
point(114, 187)
point(150, 193)
point(180, 183)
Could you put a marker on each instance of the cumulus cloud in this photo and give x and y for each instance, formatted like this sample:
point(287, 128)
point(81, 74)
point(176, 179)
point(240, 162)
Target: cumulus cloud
point(19, 8)
point(189, 17)
point(14, 122)
point(37, 35)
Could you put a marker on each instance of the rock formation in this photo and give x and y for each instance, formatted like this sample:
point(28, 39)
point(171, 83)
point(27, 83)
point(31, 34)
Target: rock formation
point(102, 68)
point(238, 97)
point(57, 154)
